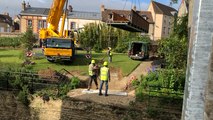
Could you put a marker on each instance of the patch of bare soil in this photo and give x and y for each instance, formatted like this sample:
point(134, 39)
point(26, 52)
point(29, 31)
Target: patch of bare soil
point(48, 74)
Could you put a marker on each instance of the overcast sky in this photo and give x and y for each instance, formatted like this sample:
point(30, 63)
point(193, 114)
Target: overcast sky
point(14, 6)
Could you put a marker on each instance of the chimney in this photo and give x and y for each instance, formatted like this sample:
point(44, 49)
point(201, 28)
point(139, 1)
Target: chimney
point(6, 13)
point(28, 5)
point(23, 6)
point(134, 8)
point(102, 8)
point(70, 8)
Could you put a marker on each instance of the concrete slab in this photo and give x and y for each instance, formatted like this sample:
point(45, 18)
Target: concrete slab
point(110, 92)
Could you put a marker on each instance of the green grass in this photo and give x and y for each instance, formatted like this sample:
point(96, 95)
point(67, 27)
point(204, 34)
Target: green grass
point(12, 57)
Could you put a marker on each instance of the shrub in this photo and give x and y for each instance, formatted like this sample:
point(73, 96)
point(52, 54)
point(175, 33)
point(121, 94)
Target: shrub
point(10, 42)
point(65, 87)
point(163, 82)
point(23, 95)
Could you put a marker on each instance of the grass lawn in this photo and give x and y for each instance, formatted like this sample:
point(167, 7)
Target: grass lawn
point(12, 57)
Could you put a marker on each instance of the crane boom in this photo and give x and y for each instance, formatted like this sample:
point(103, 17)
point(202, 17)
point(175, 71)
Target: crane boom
point(55, 14)
point(53, 19)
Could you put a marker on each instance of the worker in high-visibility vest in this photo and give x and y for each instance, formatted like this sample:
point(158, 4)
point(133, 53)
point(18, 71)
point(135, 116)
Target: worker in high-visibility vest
point(92, 74)
point(109, 53)
point(105, 78)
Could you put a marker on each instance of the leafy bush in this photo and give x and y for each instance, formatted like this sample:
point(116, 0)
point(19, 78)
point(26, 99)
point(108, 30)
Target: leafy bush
point(10, 41)
point(75, 82)
point(97, 48)
point(23, 95)
point(163, 82)
point(64, 88)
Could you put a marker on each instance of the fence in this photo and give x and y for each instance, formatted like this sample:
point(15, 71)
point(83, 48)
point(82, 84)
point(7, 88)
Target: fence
point(10, 80)
point(163, 98)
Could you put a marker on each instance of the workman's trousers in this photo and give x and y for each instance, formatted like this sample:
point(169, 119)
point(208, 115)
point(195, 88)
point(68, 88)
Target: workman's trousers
point(93, 78)
point(101, 85)
point(110, 59)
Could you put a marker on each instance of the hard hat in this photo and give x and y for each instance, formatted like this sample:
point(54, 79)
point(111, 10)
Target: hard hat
point(105, 63)
point(93, 61)
point(109, 48)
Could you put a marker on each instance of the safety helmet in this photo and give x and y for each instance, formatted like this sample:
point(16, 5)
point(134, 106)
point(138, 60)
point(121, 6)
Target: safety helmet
point(109, 48)
point(105, 63)
point(93, 61)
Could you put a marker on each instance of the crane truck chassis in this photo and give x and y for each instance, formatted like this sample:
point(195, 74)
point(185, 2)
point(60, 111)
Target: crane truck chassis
point(59, 49)
point(57, 45)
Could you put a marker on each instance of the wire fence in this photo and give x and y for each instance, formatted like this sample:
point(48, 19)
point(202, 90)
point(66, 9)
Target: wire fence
point(10, 80)
point(163, 98)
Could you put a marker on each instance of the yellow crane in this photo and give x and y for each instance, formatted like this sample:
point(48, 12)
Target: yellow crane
point(57, 45)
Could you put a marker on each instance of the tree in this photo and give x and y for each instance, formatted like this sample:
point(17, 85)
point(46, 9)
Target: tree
point(174, 48)
point(28, 39)
point(101, 36)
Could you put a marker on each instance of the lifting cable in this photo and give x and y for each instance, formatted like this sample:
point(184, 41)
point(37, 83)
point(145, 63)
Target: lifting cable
point(139, 5)
point(131, 4)
point(124, 4)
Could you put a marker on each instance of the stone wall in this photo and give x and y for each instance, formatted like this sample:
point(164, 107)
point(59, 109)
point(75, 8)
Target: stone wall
point(11, 108)
point(208, 113)
point(11, 34)
point(198, 59)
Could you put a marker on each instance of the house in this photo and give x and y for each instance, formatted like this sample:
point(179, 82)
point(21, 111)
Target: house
point(183, 9)
point(163, 16)
point(77, 19)
point(6, 23)
point(36, 18)
point(119, 17)
point(160, 19)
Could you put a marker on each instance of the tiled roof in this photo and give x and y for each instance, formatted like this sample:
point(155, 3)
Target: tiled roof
point(163, 9)
point(6, 19)
point(73, 14)
point(126, 13)
point(85, 15)
point(35, 11)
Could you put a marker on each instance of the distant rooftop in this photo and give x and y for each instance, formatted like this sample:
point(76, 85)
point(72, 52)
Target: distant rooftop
point(34, 11)
point(163, 9)
point(6, 19)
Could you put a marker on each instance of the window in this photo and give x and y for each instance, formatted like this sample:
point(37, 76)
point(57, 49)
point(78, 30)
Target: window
point(73, 25)
point(29, 23)
point(110, 16)
point(42, 24)
point(1, 29)
point(164, 30)
point(58, 43)
point(168, 30)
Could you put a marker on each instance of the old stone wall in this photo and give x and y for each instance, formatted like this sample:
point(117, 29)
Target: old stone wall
point(76, 109)
point(11, 108)
point(208, 113)
point(198, 59)
point(12, 34)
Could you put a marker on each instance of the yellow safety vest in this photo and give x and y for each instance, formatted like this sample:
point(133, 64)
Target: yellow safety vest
point(104, 73)
point(91, 73)
point(110, 53)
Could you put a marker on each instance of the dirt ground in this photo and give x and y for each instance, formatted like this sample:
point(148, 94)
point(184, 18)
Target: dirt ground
point(117, 83)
